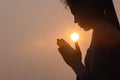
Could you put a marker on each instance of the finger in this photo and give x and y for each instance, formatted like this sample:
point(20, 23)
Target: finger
point(59, 42)
point(77, 48)
point(62, 52)
point(78, 51)
point(65, 43)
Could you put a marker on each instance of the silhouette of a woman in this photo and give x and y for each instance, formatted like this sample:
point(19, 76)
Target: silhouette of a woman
point(102, 61)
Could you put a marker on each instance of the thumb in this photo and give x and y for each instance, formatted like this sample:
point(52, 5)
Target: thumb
point(78, 51)
point(77, 48)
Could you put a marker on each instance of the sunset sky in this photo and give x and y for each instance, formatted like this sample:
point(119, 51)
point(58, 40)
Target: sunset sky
point(28, 33)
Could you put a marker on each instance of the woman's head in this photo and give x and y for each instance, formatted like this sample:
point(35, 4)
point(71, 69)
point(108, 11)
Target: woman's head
point(88, 12)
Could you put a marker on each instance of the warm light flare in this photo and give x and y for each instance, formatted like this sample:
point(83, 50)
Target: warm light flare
point(75, 36)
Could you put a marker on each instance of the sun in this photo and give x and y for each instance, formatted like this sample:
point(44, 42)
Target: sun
point(75, 36)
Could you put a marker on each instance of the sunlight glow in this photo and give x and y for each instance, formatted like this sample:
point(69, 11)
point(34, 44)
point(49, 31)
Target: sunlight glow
point(75, 36)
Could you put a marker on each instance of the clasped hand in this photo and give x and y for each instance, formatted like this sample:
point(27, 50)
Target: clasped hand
point(70, 55)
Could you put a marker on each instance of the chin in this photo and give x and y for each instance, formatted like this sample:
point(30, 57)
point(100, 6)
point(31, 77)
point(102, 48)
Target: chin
point(87, 28)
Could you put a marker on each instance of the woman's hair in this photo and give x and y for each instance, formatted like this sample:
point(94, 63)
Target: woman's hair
point(105, 7)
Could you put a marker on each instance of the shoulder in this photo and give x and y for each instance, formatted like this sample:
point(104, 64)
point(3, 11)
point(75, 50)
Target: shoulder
point(106, 35)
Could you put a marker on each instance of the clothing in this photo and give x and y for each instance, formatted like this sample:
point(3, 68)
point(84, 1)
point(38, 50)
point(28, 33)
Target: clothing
point(102, 63)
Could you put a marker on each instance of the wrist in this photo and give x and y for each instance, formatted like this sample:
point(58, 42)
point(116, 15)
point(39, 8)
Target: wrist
point(78, 69)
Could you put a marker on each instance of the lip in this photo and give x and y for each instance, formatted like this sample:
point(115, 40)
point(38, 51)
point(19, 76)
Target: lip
point(78, 24)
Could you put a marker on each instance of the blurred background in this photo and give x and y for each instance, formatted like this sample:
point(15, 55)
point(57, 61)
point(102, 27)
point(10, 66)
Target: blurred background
point(28, 33)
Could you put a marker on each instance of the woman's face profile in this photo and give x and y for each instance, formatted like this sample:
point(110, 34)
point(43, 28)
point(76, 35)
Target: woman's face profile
point(82, 17)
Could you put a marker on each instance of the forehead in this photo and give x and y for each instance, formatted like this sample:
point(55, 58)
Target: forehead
point(78, 8)
point(77, 4)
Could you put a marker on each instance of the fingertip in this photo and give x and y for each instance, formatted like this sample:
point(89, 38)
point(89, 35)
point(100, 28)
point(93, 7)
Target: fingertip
point(58, 39)
point(59, 42)
point(76, 45)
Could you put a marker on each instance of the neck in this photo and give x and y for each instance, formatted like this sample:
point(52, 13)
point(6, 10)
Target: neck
point(100, 22)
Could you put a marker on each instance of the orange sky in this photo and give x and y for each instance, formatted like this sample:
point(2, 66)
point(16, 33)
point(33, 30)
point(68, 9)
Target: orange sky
point(28, 33)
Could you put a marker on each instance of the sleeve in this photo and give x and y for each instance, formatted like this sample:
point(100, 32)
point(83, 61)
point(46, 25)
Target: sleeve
point(83, 75)
point(79, 70)
point(85, 69)
point(99, 64)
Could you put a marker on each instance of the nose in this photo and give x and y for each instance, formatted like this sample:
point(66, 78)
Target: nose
point(75, 19)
